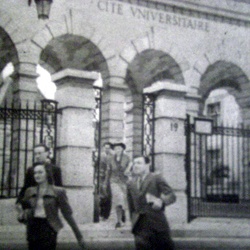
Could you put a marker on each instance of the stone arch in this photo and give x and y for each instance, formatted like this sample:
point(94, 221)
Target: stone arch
point(8, 52)
point(21, 45)
point(72, 25)
point(150, 66)
point(10, 35)
point(72, 42)
point(224, 50)
point(26, 51)
point(146, 61)
point(154, 40)
point(72, 51)
point(224, 74)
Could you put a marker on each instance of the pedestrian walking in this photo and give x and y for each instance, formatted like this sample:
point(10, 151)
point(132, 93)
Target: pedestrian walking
point(41, 204)
point(148, 194)
point(41, 153)
point(105, 188)
point(119, 165)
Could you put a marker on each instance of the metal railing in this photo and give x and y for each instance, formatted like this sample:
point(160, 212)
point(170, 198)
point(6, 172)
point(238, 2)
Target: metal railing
point(218, 172)
point(21, 127)
point(148, 128)
point(97, 118)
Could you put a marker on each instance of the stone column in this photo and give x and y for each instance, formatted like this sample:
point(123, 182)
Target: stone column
point(193, 104)
point(170, 114)
point(75, 143)
point(24, 83)
point(113, 113)
point(133, 124)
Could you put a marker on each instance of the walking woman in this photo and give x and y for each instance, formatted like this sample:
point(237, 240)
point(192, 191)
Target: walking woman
point(41, 204)
point(119, 165)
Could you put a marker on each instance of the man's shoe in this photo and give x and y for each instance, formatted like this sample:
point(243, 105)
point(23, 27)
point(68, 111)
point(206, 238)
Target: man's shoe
point(123, 216)
point(118, 225)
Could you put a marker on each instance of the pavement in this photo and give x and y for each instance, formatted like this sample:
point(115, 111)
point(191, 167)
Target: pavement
point(219, 236)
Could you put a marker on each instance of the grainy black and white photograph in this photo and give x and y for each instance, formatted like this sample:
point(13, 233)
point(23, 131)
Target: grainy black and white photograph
point(125, 124)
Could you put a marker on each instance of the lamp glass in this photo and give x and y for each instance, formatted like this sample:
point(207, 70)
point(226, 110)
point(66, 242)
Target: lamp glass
point(43, 8)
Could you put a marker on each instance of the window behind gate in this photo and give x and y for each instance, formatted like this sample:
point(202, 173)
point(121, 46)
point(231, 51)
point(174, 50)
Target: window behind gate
point(214, 111)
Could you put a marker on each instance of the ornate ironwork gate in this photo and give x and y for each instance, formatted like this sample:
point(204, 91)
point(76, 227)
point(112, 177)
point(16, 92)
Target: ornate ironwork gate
point(97, 149)
point(148, 128)
point(21, 127)
point(218, 170)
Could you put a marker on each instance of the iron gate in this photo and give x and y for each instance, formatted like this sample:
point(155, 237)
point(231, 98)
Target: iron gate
point(97, 118)
point(21, 127)
point(218, 170)
point(148, 128)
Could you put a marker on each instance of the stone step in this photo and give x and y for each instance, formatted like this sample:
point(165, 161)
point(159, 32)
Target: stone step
point(217, 234)
point(102, 231)
point(128, 244)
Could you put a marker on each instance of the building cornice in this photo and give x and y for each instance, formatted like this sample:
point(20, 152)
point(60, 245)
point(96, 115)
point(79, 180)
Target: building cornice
point(224, 11)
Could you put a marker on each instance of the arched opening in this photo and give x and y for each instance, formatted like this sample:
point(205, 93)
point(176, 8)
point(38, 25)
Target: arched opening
point(224, 90)
point(8, 56)
point(46, 88)
point(5, 83)
point(8, 52)
point(225, 147)
point(75, 52)
point(222, 107)
point(83, 108)
point(44, 83)
point(228, 76)
point(146, 68)
point(219, 148)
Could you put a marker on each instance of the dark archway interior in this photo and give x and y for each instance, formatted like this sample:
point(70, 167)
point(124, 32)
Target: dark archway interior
point(8, 52)
point(75, 52)
point(151, 66)
point(225, 75)
point(222, 74)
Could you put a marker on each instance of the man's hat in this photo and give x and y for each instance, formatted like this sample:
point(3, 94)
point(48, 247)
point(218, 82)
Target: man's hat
point(119, 144)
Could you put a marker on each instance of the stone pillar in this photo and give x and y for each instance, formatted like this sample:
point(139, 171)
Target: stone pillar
point(133, 124)
point(193, 104)
point(75, 143)
point(113, 113)
point(24, 82)
point(170, 114)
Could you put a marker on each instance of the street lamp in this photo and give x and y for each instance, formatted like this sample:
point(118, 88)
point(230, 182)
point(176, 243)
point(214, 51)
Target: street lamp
point(43, 8)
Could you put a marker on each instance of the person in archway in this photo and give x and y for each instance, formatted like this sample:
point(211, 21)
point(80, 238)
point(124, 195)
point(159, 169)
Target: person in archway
point(119, 165)
point(41, 204)
point(148, 194)
point(105, 188)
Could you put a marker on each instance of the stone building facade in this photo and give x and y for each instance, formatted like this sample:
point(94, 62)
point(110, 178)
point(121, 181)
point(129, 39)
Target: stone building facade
point(178, 51)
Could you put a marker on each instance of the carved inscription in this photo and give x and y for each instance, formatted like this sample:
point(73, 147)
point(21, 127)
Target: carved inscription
point(151, 15)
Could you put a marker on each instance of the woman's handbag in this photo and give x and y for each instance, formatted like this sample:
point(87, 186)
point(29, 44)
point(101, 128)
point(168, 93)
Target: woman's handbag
point(24, 215)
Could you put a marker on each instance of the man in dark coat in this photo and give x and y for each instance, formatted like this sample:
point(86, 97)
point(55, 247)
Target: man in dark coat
point(105, 189)
point(148, 194)
point(41, 153)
